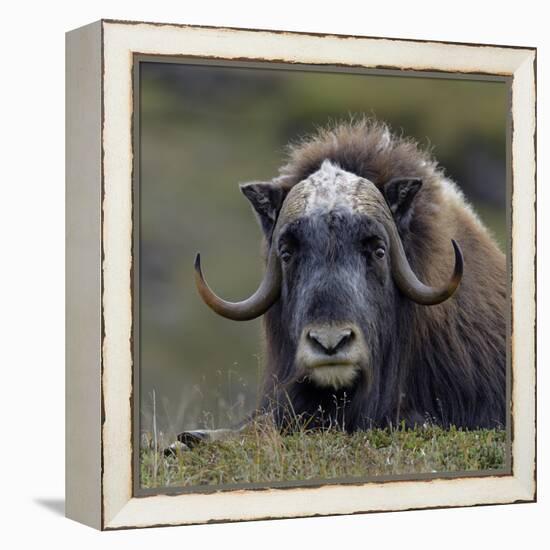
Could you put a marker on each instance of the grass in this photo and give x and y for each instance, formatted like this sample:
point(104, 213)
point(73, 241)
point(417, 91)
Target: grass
point(261, 454)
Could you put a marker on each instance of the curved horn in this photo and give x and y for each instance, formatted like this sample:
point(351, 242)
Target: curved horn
point(266, 295)
point(407, 281)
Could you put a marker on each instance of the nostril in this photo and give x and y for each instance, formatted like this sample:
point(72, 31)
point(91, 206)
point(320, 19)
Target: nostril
point(330, 341)
point(317, 341)
point(345, 337)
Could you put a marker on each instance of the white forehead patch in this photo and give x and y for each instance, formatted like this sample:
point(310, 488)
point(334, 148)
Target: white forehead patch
point(330, 188)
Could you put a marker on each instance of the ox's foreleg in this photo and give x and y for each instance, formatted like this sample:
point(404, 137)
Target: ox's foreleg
point(188, 440)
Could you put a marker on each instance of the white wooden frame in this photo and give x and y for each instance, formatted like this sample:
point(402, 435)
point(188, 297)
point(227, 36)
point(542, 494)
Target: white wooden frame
point(99, 264)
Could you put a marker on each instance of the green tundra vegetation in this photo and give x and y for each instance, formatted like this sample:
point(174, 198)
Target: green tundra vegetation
point(262, 454)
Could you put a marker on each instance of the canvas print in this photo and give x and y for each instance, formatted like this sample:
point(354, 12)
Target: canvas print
point(322, 275)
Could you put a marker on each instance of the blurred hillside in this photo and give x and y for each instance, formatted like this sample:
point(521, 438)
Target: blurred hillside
point(206, 129)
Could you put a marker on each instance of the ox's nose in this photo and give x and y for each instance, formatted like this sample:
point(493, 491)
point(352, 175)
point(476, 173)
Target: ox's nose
point(330, 340)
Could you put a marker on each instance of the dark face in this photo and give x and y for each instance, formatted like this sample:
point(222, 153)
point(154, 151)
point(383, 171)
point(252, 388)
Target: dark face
point(336, 295)
point(335, 264)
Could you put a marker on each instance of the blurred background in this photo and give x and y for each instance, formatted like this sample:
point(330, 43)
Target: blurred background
point(204, 130)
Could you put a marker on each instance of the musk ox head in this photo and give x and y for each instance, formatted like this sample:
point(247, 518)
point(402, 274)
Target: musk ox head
point(337, 269)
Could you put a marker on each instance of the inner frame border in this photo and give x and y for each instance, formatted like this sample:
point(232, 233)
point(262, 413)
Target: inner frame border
point(251, 63)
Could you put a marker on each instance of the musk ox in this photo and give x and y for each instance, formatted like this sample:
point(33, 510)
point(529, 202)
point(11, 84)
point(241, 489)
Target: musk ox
point(384, 294)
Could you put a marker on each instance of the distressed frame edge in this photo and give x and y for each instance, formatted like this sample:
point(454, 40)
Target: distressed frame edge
point(524, 279)
point(132, 515)
point(83, 217)
point(524, 487)
point(314, 34)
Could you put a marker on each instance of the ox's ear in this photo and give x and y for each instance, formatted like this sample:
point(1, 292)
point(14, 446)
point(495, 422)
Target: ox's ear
point(266, 198)
point(400, 194)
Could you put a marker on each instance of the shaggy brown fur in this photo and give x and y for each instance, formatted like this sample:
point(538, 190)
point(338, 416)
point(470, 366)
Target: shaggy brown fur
point(452, 360)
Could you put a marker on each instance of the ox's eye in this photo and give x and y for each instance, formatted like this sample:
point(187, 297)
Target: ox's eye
point(287, 245)
point(373, 246)
point(286, 255)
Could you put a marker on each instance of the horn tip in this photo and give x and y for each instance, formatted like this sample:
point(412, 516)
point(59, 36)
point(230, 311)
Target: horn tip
point(459, 267)
point(458, 255)
point(197, 263)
